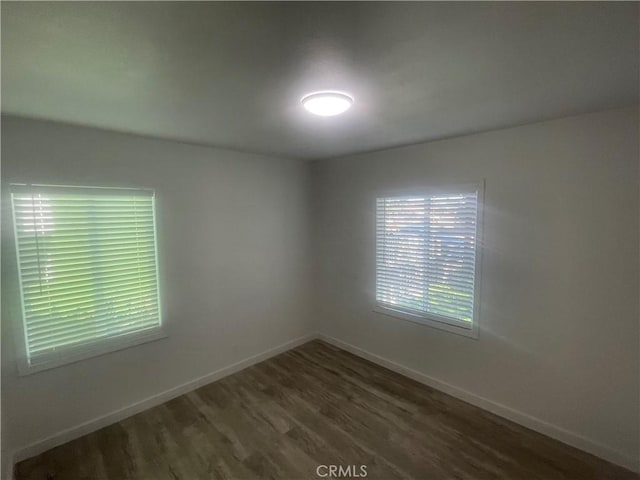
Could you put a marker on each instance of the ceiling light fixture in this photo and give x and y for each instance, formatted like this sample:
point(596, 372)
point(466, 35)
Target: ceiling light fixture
point(327, 103)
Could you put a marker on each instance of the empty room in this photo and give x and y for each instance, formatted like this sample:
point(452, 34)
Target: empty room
point(320, 240)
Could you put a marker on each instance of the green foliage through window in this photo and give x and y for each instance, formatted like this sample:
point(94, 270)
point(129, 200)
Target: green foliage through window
point(426, 252)
point(87, 264)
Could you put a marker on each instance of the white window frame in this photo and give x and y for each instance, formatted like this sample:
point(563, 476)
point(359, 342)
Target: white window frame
point(88, 350)
point(429, 319)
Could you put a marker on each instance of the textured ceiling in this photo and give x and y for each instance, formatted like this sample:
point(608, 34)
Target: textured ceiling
point(232, 74)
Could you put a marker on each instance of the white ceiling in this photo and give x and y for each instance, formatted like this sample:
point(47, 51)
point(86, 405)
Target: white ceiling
point(232, 74)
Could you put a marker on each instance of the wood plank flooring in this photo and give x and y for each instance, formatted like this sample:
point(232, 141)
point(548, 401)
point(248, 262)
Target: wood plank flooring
point(315, 405)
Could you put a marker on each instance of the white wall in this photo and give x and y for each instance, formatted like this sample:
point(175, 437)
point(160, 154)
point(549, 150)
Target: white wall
point(559, 301)
point(232, 235)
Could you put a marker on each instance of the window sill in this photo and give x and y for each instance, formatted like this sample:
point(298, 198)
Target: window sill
point(58, 359)
point(470, 331)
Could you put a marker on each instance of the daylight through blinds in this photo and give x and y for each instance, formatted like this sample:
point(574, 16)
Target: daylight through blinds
point(87, 262)
point(426, 252)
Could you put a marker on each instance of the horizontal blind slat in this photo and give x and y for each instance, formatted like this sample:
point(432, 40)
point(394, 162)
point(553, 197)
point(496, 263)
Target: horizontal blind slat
point(71, 271)
point(75, 304)
point(73, 263)
point(48, 316)
point(53, 331)
point(35, 289)
point(45, 246)
point(75, 254)
point(52, 298)
point(391, 277)
point(89, 337)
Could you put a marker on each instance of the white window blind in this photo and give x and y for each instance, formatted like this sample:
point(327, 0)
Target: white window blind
point(426, 255)
point(87, 266)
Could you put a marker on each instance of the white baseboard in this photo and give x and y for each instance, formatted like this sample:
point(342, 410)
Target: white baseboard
point(97, 423)
point(540, 426)
point(8, 467)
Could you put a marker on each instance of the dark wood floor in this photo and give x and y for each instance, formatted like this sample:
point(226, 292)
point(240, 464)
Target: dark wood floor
point(316, 405)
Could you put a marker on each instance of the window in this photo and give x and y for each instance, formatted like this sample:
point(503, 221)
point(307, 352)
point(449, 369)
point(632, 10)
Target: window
point(88, 272)
point(427, 258)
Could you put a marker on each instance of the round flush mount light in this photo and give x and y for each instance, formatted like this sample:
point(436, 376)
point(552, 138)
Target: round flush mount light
point(327, 103)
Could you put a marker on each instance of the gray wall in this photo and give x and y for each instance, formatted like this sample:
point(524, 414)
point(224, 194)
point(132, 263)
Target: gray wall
point(559, 300)
point(233, 249)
